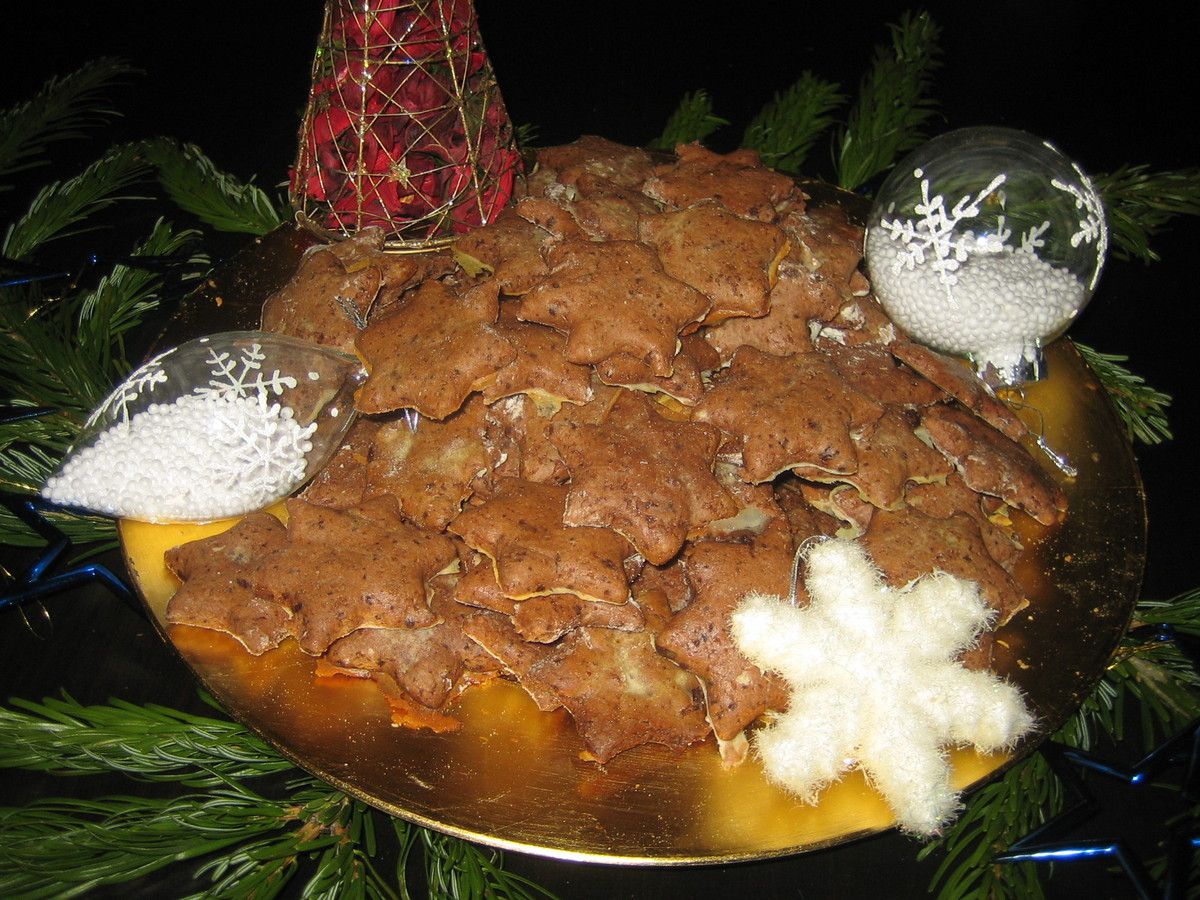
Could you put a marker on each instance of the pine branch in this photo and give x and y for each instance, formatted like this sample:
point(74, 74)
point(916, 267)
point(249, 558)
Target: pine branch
point(336, 835)
point(94, 534)
point(692, 120)
point(455, 868)
point(60, 206)
point(1142, 408)
point(1158, 676)
point(123, 297)
point(63, 848)
point(64, 109)
point(154, 743)
point(1167, 691)
point(996, 815)
point(196, 185)
point(526, 135)
point(1141, 202)
point(30, 451)
point(248, 844)
point(893, 104)
point(784, 130)
point(66, 355)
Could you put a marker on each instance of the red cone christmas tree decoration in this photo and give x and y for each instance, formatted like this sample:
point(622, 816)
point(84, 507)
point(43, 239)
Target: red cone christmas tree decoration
point(405, 126)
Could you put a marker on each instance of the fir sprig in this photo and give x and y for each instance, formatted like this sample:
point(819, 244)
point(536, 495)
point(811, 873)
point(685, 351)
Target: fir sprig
point(998, 814)
point(64, 350)
point(459, 869)
point(893, 105)
point(218, 199)
point(1166, 689)
point(65, 354)
point(692, 120)
point(248, 844)
point(1140, 202)
point(64, 848)
point(65, 108)
point(63, 737)
point(526, 135)
point(1141, 407)
point(92, 533)
point(785, 129)
point(121, 300)
point(59, 207)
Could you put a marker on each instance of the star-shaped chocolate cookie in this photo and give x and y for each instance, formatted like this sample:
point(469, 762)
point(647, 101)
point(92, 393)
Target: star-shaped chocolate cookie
point(620, 692)
point(797, 298)
point(907, 544)
point(554, 218)
point(598, 157)
point(546, 619)
point(521, 530)
point(699, 639)
point(324, 302)
point(953, 377)
point(642, 475)
point(343, 480)
point(216, 591)
point(685, 383)
point(432, 351)
point(890, 455)
point(613, 298)
point(875, 372)
point(945, 499)
point(510, 247)
point(540, 368)
point(729, 259)
point(994, 464)
point(607, 211)
point(830, 245)
point(842, 503)
point(361, 567)
point(796, 412)
point(430, 469)
point(427, 663)
point(738, 180)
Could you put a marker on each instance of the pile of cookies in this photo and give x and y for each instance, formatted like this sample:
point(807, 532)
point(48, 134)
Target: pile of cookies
point(593, 426)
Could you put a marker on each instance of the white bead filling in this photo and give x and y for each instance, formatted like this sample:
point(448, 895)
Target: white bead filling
point(201, 457)
point(1001, 305)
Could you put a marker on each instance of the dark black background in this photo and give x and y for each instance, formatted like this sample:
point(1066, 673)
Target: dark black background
point(1107, 87)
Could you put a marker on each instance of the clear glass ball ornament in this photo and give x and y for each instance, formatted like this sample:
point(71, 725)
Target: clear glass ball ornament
point(987, 243)
point(219, 426)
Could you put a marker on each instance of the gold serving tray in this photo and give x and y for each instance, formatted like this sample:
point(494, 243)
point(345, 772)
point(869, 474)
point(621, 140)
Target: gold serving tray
point(512, 777)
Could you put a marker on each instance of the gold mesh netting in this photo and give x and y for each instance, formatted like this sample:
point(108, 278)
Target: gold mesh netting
point(405, 127)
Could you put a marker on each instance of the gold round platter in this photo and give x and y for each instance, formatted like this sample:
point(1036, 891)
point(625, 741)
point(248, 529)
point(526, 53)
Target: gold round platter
point(512, 776)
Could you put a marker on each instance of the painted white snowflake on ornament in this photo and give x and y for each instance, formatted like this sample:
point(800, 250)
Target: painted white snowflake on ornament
point(230, 380)
point(936, 238)
point(1092, 226)
point(875, 683)
point(141, 380)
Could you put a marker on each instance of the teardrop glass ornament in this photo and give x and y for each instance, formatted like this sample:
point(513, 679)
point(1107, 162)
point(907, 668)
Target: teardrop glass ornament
point(216, 427)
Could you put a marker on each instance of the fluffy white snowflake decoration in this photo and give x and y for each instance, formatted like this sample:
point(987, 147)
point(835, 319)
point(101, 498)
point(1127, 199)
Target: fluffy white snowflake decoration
point(875, 684)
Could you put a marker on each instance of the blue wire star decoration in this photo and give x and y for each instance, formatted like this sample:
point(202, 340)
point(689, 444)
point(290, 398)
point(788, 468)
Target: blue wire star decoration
point(1179, 752)
point(39, 579)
